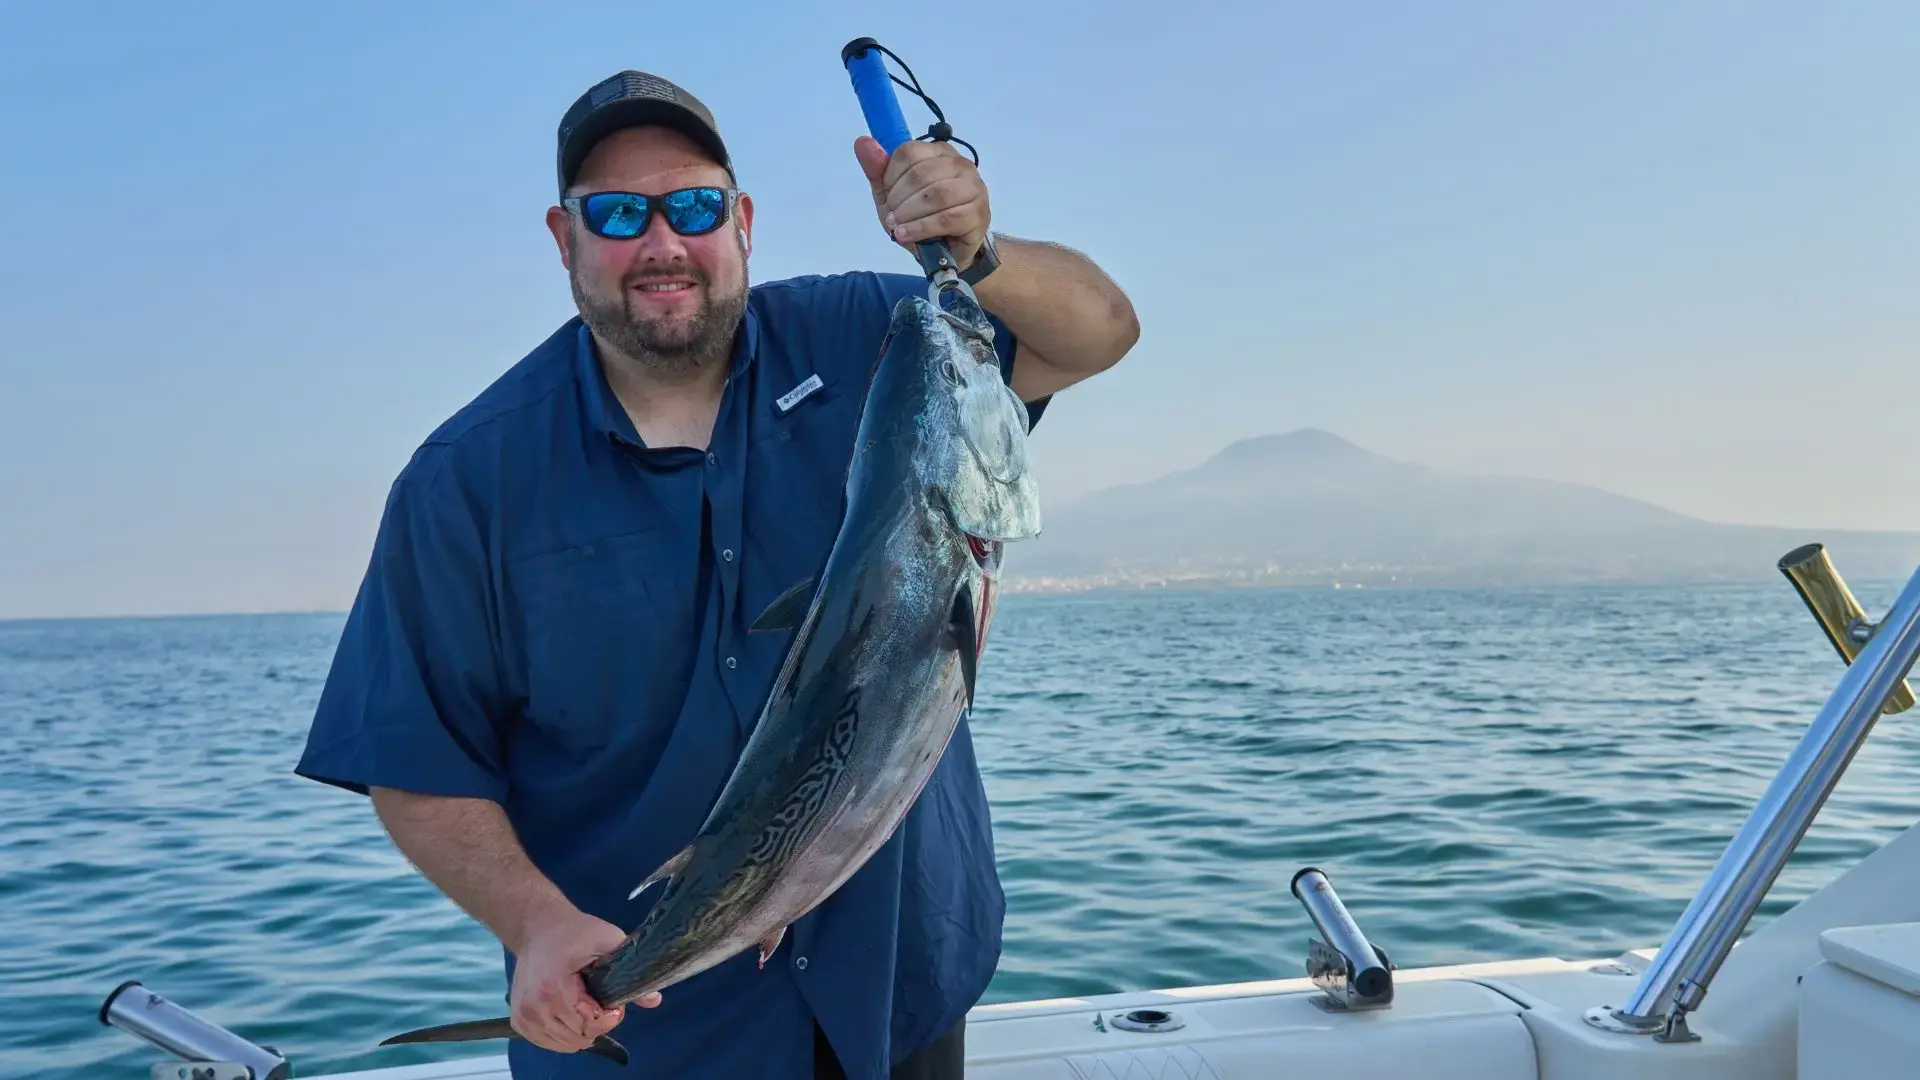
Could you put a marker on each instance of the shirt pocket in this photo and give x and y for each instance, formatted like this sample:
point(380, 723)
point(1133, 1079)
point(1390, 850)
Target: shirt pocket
point(832, 410)
point(607, 644)
point(798, 461)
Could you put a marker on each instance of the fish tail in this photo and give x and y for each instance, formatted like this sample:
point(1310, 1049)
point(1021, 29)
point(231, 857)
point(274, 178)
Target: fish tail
point(497, 1028)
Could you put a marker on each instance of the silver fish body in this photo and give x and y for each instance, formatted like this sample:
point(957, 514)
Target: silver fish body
point(881, 667)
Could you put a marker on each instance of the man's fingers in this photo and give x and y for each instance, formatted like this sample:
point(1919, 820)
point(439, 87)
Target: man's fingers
point(591, 1014)
point(539, 1031)
point(937, 196)
point(556, 1006)
point(926, 174)
point(567, 1042)
point(594, 1019)
point(956, 222)
point(649, 1001)
point(551, 1007)
point(915, 154)
point(607, 1021)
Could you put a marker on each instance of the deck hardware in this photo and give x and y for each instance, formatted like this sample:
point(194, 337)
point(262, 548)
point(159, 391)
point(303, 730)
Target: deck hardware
point(1812, 573)
point(1352, 972)
point(201, 1070)
point(1151, 1020)
point(214, 1053)
point(1670, 1029)
point(1675, 984)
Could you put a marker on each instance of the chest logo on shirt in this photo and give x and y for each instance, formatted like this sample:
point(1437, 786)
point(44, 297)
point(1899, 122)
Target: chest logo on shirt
point(794, 396)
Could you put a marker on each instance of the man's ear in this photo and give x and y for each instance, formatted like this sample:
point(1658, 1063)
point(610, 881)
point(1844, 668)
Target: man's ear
point(560, 225)
point(743, 222)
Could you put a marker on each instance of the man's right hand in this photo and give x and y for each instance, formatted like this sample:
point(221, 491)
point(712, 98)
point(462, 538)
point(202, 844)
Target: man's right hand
point(550, 1004)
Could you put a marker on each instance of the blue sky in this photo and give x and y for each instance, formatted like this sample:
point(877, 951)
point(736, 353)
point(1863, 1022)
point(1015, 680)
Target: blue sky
point(250, 254)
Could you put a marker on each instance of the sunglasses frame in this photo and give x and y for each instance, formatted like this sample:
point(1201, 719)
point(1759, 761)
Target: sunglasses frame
point(730, 196)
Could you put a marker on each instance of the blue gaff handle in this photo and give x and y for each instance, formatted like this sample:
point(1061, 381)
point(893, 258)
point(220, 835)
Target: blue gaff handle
point(874, 87)
point(867, 66)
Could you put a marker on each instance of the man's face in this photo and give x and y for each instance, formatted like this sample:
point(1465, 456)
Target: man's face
point(669, 302)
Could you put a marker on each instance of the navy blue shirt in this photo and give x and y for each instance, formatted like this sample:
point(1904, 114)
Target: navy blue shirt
point(554, 618)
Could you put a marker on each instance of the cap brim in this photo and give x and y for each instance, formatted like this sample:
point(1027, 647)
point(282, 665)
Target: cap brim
point(634, 113)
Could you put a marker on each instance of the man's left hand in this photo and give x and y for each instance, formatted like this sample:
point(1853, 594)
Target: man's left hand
point(927, 191)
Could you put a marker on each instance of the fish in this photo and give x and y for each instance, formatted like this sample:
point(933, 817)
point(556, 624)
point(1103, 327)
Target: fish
point(884, 661)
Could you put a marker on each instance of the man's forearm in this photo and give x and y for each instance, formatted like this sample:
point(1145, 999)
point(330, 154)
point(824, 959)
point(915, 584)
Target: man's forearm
point(1071, 319)
point(468, 850)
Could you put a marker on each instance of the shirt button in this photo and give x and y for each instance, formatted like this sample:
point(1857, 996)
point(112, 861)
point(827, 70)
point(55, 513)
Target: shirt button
point(731, 662)
point(800, 962)
point(727, 554)
point(713, 458)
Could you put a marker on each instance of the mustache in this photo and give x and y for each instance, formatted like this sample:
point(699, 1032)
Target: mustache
point(663, 273)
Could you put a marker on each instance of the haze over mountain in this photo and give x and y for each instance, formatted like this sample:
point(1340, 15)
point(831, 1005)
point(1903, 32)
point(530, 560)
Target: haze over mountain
point(1311, 507)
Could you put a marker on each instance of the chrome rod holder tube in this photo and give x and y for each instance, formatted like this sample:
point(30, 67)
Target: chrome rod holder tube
point(1676, 982)
point(1826, 595)
point(1353, 972)
point(141, 1012)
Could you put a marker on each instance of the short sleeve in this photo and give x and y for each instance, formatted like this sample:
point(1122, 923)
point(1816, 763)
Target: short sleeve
point(1005, 343)
point(413, 699)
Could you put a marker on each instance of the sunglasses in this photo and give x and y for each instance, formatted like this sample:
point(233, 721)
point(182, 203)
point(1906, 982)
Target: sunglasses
point(623, 215)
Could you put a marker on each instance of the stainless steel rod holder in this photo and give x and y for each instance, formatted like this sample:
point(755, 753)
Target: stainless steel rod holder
point(141, 1012)
point(1677, 980)
point(1354, 972)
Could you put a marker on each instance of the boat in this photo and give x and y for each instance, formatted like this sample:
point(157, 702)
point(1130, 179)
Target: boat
point(1828, 989)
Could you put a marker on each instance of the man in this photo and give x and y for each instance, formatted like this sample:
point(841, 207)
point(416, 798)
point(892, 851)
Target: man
point(545, 678)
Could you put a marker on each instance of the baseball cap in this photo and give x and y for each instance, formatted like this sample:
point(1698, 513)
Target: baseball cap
point(629, 99)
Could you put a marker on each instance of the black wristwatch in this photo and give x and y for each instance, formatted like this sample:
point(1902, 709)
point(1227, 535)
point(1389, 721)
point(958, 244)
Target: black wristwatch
point(986, 262)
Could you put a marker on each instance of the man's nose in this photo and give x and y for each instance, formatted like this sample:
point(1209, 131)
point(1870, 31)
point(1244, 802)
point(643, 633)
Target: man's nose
point(659, 243)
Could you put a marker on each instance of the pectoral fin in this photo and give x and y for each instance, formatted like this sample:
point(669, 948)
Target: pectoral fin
point(499, 1028)
point(667, 869)
point(962, 623)
point(786, 611)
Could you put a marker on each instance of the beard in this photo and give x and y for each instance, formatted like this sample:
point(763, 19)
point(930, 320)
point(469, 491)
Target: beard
point(671, 348)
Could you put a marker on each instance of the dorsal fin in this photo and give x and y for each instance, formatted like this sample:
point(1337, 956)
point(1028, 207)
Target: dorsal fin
point(786, 611)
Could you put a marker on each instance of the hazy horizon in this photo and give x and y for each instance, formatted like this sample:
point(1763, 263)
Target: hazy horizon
point(253, 256)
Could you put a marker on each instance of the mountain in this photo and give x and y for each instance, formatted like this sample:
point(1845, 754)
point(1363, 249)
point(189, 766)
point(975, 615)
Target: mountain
point(1311, 507)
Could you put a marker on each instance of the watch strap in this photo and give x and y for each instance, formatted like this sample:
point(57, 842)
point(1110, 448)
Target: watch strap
point(984, 263)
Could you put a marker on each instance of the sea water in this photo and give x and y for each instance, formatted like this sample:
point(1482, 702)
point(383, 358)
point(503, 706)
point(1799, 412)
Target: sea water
point(1482, 774)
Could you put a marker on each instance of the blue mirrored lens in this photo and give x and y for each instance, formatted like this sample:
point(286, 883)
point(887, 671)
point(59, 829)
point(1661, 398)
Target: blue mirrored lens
point(694, 210)
point(616, 215)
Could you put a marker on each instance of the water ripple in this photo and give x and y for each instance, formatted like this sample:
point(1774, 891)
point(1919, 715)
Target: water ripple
point(1483, 775)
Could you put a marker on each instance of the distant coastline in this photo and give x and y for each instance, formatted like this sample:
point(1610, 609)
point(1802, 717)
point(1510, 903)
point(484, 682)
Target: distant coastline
point(1309, 509)
point(1015, 584)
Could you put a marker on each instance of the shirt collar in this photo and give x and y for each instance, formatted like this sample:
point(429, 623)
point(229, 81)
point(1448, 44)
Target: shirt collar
point(605, 415)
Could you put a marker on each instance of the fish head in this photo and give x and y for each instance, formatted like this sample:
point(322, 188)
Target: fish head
point(974, 427)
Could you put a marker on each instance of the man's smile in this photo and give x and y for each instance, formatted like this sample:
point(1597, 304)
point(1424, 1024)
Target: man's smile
point(665, 295)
